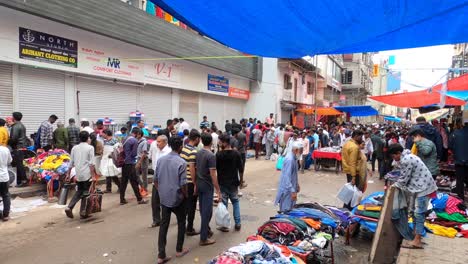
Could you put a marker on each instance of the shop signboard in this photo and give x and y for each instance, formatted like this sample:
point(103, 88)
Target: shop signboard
point(238, 93)
point(103, 63)
point(218, 83)
point(163, 73)
point(47, 48)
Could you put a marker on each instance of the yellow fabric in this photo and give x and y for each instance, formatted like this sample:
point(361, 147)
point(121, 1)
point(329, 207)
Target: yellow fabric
point(414, 150)
point(375, 208)
point(52, 162)
point(3, 136)
point(441, 230)
point(350, 157)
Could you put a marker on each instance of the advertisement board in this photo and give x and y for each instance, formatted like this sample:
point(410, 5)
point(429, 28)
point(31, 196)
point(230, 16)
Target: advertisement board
point(218, 84)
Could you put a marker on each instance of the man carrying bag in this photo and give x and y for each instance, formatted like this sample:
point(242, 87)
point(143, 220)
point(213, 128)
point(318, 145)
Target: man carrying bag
point(82, 157)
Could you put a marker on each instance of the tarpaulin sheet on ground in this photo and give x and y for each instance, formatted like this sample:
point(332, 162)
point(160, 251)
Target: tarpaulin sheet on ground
point(427, 96)
point(323, 111)
point(358, 110)
point(293, 29)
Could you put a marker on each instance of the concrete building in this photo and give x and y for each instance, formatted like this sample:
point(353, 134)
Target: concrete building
point(357, 78)
point(85, 62)
point(459, 59)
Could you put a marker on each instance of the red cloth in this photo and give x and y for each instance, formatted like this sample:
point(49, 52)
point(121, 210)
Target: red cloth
point(159, 12)
point(451, 206)
point(317, 154)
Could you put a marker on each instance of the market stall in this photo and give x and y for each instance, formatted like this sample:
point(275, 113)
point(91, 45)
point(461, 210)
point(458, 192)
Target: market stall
point(327, 157)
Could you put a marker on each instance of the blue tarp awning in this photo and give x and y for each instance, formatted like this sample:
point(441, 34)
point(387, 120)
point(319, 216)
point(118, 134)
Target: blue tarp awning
point(392, 118)
point(293, 29)
point(462, 95)
point(358, 110)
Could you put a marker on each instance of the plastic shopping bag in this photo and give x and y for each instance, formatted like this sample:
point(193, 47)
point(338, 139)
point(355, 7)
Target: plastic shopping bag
point(222, 217)
point(279, 163)
point(346, 193)
point(357, 197)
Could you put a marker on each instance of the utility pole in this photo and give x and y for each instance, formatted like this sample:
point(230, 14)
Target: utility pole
point(315, 90)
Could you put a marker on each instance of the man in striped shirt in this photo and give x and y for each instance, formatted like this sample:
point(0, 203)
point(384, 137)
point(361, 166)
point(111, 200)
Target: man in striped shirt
point(189, 153)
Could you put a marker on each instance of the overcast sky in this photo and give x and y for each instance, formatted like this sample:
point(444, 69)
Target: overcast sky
point(410, 60)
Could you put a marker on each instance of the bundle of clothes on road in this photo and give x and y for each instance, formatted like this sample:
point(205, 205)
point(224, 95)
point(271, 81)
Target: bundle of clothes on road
point(367, 213)
point(49, 165)
point(448, 216)
point(302, 235)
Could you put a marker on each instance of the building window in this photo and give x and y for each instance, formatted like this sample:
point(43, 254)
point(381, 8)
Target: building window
point(310, 89)
point(348, 77)
point(295, 89)
point(287, 82)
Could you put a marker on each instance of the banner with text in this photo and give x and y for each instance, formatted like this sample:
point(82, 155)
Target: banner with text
point(218, 84)
point(163, 73)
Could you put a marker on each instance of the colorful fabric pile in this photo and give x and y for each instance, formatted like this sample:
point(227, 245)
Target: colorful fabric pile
point(367, 213)
point(302, 235)
point(449, 217)
point(49, 165)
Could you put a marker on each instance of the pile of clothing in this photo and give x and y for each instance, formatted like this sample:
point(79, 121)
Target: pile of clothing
point(49, 165)
point(448, 217)
point(367, 213)
point(300, 236)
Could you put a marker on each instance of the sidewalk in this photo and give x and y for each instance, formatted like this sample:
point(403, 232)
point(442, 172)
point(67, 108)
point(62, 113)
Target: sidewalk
point(438, 250)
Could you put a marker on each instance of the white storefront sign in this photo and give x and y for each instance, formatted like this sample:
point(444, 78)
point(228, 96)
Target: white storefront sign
point(163, 73)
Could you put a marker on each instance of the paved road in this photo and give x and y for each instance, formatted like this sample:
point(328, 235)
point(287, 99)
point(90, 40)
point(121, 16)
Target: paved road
point(45, 235)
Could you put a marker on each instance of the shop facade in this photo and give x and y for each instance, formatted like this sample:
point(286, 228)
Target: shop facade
point(50, 68)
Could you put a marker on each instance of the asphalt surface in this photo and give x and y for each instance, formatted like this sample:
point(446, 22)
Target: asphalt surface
point(121, 234)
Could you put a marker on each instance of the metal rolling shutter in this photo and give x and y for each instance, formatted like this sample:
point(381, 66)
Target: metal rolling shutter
point(41, 94)
point(213, 107)
point(188, 108)
point(103, 98)
point(233, 108)
point(156, 104)
point(6, 90)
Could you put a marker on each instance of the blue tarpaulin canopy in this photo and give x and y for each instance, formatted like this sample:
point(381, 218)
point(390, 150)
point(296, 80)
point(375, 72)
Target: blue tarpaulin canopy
point(358, 110)
point(392, 118)
point(462, 95)
point(293, 29)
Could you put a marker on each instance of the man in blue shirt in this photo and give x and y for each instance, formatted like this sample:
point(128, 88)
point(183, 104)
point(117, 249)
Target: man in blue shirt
point(130, 146)
point(170, 179)
point(204, 123)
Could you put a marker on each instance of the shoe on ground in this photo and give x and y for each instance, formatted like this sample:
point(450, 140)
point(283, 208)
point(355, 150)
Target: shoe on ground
point(5, 218)
point(155, 224)
point(123, 202)
point(223, 229)
point(192, 233)
point(207, 242)
point(143, 201)
point(210, 234)
point(237, 227)
point(69, 213)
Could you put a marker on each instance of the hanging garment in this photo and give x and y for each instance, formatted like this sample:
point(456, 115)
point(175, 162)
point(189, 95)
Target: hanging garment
point(400, 215)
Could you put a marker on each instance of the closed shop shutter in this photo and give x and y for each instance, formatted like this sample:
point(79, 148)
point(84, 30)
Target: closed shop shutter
point(103, 98)
point(213, 107)
point(233, 108)
point(156, 104)
point(6, 90)
point(41, 94)
point(188, 108)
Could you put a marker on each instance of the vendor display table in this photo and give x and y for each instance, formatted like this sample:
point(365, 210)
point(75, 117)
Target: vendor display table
point(327, 157)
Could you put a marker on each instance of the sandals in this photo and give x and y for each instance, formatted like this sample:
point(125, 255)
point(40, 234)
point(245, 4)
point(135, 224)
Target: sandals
point(184, 252)
point(411, 246)
point(165, 260)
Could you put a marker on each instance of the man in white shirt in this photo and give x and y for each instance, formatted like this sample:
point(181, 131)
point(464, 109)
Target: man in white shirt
point(368, 147)
point(159, 148)
point(183, 125)
point(82, 159)
point(5, 159)
point(215, 141)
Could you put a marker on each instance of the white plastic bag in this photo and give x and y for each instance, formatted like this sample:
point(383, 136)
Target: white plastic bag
point(346, 193)
point(357, 196)
point(222, 217)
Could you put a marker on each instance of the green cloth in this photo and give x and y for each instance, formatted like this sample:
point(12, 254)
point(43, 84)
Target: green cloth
point(324, 235)
point(370, 214)
point(61, 138)
point(455, 217)
point(299, 223)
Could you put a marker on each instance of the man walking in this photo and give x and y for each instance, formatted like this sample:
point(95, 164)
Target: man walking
point(459, 146)
point(377, 154)
point(242, 148)
point(17, 142)
point(158, 149)
point(269, 141)
point(417, 179)
point(73, 134)
point(169, 130)
point(229, 168)
point(288, 184)
point(368, 146)
point(130, 148)
point(207, 182)
point(350, 159)
point(61, 137)
point(47, 133)
point(426, 151)
point(189, 154)
point(142, 162)
point(170, 181)
point(5, 159)
point(82, 158)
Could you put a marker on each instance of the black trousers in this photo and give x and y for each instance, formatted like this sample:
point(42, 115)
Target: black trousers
point(156, 205)
point(5, 194)
point(18, 156)
point(243, 161)
point(109, 181)
point(374, 159)
point(190, 206)
point(129, 174)
point(179, 211)
point(82, 191)
point(461, 171)
point(205, 194)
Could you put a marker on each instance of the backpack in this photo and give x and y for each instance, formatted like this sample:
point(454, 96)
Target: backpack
point(37, 138)
point(118, 156)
